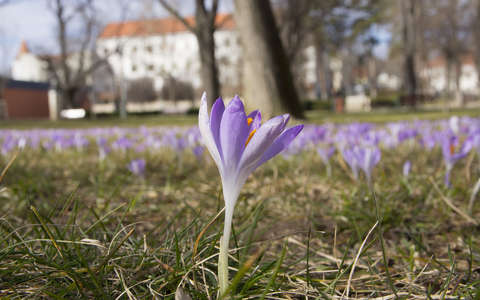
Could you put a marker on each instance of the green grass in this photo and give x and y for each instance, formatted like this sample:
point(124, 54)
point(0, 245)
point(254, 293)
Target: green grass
point(316, 116)
point(73, 228)
point(390, 115)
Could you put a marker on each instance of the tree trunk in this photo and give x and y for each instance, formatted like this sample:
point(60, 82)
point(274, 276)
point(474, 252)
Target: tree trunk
point(476, 32)
point(408, 34)
point(209, 70)
point(372, 76)
point(322, 71)
point(458, 90)
point(268, 81)
point(448, 86)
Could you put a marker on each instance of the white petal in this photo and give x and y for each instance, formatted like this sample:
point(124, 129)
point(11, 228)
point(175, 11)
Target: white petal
point(207, 136)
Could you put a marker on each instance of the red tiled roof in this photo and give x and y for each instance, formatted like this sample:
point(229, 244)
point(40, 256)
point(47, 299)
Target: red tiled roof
point(159, 26)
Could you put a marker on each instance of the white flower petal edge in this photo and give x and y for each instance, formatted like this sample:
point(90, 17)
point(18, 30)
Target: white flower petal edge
point(204, 125)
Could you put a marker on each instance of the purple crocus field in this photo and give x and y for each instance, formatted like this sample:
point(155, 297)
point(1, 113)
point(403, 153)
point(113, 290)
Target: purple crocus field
point(112, 210)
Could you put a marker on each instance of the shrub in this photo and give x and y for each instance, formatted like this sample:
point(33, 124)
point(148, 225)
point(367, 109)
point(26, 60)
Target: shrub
point(175, 89)
point(141, 90)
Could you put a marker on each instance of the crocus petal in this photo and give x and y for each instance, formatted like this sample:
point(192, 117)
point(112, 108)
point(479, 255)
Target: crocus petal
point(204, 125)
point(233, 135)
point(280, 143)
point(218, 109)
point(261, 140)
point(256, 117)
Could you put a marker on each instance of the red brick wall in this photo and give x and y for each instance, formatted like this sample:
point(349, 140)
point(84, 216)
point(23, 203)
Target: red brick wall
point(26, 104)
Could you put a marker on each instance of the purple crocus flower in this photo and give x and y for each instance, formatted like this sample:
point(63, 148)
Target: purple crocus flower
point(367, 158)
point(406, 168)
point(325, 153)
point(239, 144)
point(137, 166)
point(198, 151)
point(349, 156)
point(450, 143)
point(364, 158)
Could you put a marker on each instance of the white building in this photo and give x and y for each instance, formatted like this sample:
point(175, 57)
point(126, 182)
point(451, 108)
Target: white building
point(435, 76)
point(163, 48)
point(28, 66)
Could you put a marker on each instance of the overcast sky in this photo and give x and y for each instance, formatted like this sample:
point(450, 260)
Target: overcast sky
point(33, 21)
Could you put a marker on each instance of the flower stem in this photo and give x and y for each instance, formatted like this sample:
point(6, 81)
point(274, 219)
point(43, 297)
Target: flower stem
point(223, 255)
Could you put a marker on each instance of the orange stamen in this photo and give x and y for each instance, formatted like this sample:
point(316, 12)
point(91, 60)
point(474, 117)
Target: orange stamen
point(452, 149)
point(249, 121)
point(250, 137)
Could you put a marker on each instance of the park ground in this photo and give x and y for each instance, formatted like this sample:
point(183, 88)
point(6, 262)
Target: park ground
point(73, 228)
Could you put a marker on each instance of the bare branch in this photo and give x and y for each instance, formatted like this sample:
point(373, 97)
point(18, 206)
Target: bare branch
point(90, 24)
point(62, 38)
point(53, 70)
point(177, 15)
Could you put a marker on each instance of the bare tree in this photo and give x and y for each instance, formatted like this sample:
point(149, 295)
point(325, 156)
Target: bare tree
point(295, 24)
point(332, 27)
point(268, 79)
point(76, 61)
point(476, 37)
point(449, 31)
point(204, 28)
point(409, 48)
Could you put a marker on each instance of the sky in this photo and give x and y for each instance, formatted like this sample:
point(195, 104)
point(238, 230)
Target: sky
point(33, 21)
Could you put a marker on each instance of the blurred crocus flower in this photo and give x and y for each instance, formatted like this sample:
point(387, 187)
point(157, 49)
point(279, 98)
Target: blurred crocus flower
point(406, 168)
point(367, 157)
point(362, 157)
point(137, 167)
point(325, 154)
point(349, 156)
point(454, 124)
point(453, 152)
point(103, 148)
point(475, 139)
point(198, 151)
point(239, 144)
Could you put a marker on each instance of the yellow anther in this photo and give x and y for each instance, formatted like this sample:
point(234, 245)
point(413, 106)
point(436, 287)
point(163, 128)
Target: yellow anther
point(250, 137)
point(452, 149)
point(249, 121)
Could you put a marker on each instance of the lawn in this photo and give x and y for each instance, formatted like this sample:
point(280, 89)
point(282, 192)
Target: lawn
point(78, 221)
point(315, 117)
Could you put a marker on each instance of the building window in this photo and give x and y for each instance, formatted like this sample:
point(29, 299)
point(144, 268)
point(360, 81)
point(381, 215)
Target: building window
point(134, 68)
point(134, 49)
point(149, 49)
point(150, 67)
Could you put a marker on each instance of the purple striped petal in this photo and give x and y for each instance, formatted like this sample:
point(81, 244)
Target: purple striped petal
point(218, 109)
point(233, 134)
point(261, 141)
point(280, 143)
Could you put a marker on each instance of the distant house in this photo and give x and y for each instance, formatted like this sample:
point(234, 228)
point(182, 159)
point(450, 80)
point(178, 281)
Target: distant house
point(27, 100)
point(163, 48)
point(434, 76)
